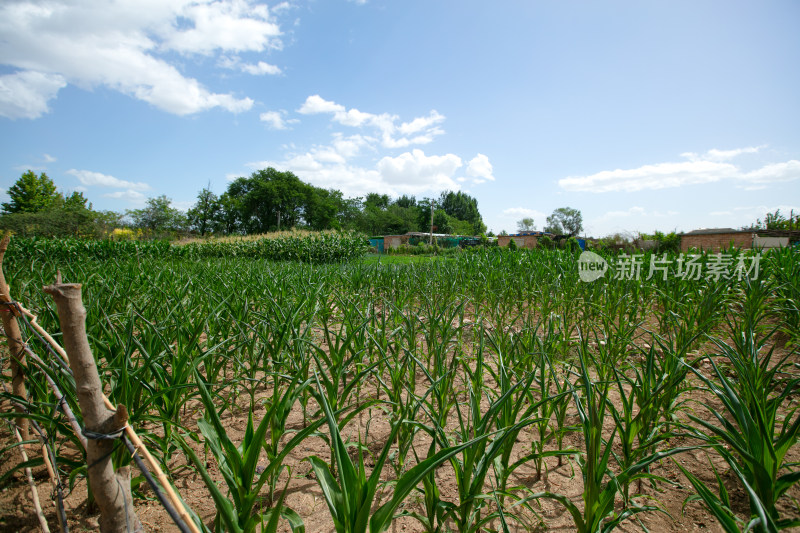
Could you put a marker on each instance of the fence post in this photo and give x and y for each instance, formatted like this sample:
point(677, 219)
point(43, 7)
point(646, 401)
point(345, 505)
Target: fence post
point(111, 490)
point(16, 347)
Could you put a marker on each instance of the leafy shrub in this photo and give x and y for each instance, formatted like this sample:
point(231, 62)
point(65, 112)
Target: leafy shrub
point(546, 242)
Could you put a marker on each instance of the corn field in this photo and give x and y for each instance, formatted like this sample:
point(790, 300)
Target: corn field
point(445, 395)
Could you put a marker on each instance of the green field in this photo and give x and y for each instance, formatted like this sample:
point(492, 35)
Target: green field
point(438, 392)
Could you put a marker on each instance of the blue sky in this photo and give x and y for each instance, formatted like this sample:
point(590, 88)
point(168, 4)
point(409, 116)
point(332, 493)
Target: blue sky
point(643, 115)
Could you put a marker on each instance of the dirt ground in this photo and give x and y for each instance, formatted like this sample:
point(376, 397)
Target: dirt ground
point(305, 496)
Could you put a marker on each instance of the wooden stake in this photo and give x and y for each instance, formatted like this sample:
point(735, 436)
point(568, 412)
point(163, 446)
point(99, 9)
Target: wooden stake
point(15, 345)
point(112, 491)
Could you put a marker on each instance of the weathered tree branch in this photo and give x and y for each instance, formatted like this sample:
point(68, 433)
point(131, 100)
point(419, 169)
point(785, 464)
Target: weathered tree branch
point(111, 491)
point(15, 345)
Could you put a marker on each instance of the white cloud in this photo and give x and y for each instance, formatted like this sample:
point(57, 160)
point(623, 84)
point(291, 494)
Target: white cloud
point(133, 196)
point(637, 212)
point(421, 123)
point(774, 173)
point(523, 212)
point(49, 158)
point(425, 128)
point(746, 215)
point(350, 146)
point(721, 155)
point(316, 104)
point(227, 25)
point(255, 69)
point(409, 173)
point(480, 169)
point(708, 168)
point(632, 211)
point(87, 177)
point(26, 94)
point(414, 170)
point(121, 45)
point(658, 176)
point(261, 68)
point(275, 119)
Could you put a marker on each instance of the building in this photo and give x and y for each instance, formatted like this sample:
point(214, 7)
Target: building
point(443, 240)
point(523, 239)
point(716, 239)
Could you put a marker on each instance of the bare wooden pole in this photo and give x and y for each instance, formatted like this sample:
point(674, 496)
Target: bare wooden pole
point(111, 490)
point(129, 431)
point(37, 506)
point(16, 347)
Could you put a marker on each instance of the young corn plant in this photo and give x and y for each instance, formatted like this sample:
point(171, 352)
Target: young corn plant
point(638, 418)
point(601, 485)
point(754, 429)
point(473, 464)
point(351, 495)
point(720, 505)
point(238, 512)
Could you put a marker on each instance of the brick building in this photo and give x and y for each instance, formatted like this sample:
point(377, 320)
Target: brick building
point(715, 239)
point(523, 239)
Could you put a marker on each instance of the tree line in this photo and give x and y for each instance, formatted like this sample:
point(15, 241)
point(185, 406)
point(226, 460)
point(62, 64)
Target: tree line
point(267, 200)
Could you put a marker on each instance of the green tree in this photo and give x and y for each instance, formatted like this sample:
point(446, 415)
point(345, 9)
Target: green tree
point(31, 193)
point(526, 224)
point(442, 222)
point(158, 216)
point(777, 220)
point(462, 206)
point(203, 215)
point(322, 207)
point(406, 201)
point(269, 200)
point(228, 217)
point(565, 221)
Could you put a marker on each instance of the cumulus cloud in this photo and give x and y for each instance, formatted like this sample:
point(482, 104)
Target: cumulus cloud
point(49, 158)
point(408, 173)
point(358, 163)
point(96, 179)
point(480, 169)
point(275, 119)
point(414, 170)
point(122, 46)
point(421, 123)
point(27, 94)
point(421, 130)
point(709, 168)
point(227, 25)
point(255, 69)
point(261, 68)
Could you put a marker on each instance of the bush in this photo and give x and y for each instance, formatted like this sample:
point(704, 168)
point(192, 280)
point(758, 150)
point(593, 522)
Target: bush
point(572, 245)
point(546, 242)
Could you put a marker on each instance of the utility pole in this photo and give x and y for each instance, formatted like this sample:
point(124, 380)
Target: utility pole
point(279, 219)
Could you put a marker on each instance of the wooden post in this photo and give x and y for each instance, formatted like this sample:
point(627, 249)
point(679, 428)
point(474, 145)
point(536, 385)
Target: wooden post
point(111, 490)
point(16, 347)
